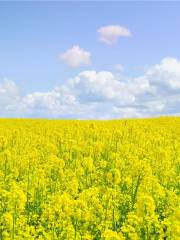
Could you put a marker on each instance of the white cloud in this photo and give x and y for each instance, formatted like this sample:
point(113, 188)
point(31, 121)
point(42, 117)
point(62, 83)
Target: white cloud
point(126, 112)
point(170, 65)
point(92, 86)
point(10, 100)
point(165, 75)
point(76, 57)
point(110, 34)
point(99, 95)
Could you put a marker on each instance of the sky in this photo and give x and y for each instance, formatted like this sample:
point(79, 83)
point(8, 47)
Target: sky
point(89, 60)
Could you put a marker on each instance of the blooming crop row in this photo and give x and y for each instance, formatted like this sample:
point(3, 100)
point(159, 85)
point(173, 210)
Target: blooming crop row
point(85, 180)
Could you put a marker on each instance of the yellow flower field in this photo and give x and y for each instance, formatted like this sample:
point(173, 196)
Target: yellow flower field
point(85, 180)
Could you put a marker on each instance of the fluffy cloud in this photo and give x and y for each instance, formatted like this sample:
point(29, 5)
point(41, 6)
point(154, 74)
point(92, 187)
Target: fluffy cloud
point(165, 75)
point(10, 100)
point(110, 34)
point(76, 57)
point(100, 86)
point(100, 95)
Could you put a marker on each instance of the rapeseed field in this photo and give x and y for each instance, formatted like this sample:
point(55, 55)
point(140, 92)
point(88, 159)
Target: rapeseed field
point(90, 180)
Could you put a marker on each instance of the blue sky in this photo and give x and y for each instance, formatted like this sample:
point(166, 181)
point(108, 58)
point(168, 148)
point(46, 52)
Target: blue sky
point(39, 39)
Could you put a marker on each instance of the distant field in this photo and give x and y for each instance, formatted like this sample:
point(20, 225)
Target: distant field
point(90, 180)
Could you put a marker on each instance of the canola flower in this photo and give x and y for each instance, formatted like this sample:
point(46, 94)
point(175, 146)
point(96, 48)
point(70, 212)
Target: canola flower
point(90, 180)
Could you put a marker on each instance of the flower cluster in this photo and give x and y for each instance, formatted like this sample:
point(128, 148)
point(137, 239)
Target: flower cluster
point(90, 180)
